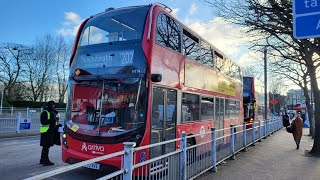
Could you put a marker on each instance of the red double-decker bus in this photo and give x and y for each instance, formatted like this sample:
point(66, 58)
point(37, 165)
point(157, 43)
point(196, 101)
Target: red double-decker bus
point(138, 74)
point(253, 99)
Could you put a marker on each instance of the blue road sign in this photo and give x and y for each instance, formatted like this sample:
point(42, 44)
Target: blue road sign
point(306, 6)
point(308, 26)
point(306, 18)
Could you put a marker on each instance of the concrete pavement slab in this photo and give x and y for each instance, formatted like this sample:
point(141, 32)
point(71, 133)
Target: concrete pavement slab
point(274, 158)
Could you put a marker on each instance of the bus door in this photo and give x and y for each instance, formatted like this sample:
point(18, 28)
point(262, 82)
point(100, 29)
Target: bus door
point(163, 120)
point(219, 116)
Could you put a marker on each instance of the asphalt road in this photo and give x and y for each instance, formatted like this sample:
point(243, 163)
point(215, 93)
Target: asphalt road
point(19, 159)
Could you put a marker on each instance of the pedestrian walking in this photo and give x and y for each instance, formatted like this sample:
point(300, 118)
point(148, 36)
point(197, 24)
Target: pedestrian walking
point(285, 119)
point(297, 133)
point(47, 130)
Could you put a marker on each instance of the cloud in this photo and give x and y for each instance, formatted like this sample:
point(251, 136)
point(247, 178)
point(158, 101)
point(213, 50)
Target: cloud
point(193, 9)
point(175, 11)
point(70, 25)
point(250, 59)
point(221, 34)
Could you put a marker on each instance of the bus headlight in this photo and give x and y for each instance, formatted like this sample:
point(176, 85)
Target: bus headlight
point(64, 140)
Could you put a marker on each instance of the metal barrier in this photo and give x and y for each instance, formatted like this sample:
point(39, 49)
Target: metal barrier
point(26, 112)
point(20, 124)
point(188, 162)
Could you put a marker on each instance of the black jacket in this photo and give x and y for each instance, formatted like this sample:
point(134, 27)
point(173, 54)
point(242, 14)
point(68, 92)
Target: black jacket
point(47, 138)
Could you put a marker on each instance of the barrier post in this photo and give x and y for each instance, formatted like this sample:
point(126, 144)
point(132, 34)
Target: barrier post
point(183, 156)
point(244, 133)
point(279, 124)
point(27, 111)
point(214, 150)
point(265, 129)
point(11, 111)
point(272, 125)
point(269, 128)
point(259, 131)
point(232, 143)
point(18, 122)
point(128, 160)
point(253, 134)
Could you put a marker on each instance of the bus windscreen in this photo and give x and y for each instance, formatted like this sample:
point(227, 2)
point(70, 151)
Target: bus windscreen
point(114, 26)
point(103, 108)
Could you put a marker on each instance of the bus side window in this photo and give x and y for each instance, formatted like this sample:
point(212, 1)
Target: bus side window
point(190, 106)
point(168, 32)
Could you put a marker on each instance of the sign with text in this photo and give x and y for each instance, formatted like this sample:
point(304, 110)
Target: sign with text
point(25, 124)
point(306, 18)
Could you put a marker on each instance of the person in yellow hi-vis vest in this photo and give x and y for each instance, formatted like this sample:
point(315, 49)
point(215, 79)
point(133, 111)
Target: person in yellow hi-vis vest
point(47, 130)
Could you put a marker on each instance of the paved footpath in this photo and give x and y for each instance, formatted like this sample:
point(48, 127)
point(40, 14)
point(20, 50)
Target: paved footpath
point(276, 158)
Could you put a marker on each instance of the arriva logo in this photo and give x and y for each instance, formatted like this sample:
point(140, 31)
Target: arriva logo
point(84, 147)
point(94, 148)
point(202, 131)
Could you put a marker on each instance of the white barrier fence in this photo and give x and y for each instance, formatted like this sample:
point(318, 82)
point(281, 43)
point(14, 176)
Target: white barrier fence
point(20, 124)
point(6, 112)
point(187, 162)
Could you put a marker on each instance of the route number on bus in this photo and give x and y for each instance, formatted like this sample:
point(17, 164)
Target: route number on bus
point(126, 57)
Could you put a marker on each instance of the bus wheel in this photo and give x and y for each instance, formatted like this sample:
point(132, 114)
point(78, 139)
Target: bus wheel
point(191, 153)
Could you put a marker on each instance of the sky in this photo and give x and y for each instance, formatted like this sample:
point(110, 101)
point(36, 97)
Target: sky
point(22, 21)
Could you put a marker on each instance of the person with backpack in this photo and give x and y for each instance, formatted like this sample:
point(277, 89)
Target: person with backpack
point(47, 130)
point(296, 129)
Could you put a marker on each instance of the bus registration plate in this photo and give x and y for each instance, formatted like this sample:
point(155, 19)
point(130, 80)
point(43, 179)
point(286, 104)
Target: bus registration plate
point(93, 166)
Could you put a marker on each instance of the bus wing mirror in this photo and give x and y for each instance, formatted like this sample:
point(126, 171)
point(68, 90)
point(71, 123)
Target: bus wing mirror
point(156, 77)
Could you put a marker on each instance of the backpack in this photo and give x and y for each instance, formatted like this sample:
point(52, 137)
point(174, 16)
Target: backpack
point(291, 128)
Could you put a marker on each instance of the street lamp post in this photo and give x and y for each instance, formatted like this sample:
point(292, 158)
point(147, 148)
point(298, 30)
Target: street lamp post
point(265, 85)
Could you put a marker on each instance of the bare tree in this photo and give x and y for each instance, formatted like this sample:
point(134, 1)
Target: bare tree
point(297, 73)
point(40, 68)
point(12, 57)
point(269, 23)
point(252, 71)
point(62, 57)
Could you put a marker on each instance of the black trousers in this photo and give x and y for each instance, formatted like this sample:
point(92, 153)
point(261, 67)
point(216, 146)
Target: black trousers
point(44, 154)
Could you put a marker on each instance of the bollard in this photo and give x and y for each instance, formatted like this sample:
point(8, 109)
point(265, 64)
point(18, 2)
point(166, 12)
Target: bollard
point(232, 157)
point(128, 160)
point(11, 111)
point(244, 133)
point(18, 122)
point(27, 111)
point(259, 131)
point(214, 150)
point(253, 134)
point(183, 156)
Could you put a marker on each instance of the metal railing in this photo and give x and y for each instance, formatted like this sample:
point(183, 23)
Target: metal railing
point(21, 124)
point(25, 112)
point(187, 162)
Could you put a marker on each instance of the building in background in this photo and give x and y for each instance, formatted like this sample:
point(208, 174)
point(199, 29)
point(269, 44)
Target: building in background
point(296, 100)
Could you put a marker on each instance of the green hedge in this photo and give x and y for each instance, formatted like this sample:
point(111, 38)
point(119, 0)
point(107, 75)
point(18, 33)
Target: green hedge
point(32, 104)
